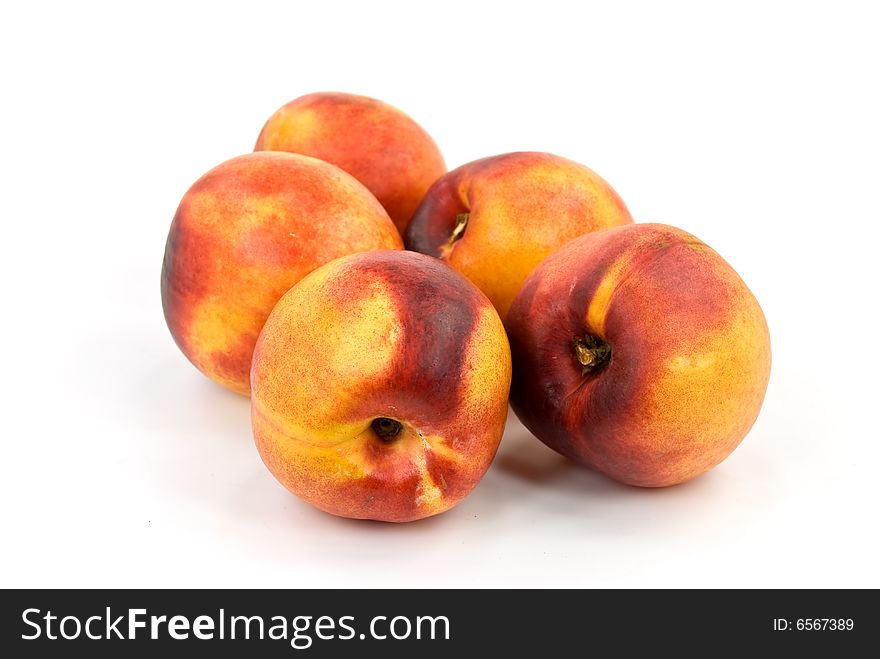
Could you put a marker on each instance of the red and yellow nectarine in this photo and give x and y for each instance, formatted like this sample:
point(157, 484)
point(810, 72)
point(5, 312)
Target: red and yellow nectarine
point(376, 143)
point(495, 219)
point(379, 387)
point(640, 352)
point(246, 232)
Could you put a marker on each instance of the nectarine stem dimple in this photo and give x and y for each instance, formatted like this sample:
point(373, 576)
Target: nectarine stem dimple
point(592, 353)
point(386, 429)
point(461, 221)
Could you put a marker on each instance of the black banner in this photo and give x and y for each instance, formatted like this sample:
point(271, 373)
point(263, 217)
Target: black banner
point(318, 623)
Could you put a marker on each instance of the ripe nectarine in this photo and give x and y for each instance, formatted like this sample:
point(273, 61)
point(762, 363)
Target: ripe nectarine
point(246, 232)
point(495, 219)
point(376, 143)
point(379, 387)
point(640, 352)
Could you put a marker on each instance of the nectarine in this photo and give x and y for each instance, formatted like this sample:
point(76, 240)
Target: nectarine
point(495, 219)
point(246, 232)
point(376, 143)
point(379, 387)
point(640, 352)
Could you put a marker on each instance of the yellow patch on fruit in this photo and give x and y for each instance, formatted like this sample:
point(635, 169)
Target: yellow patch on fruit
point(485, 374)
point(428, 494)
point(305, 457)
point(709, 380)
point(303, 124)
point(615, 276)
point(682, 363)
point(342, 365)
point(217, 327)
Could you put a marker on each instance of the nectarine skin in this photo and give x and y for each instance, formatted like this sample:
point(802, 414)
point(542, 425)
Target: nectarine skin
point(246, 232)
point(640, 352)
point(376, 143)
point(495, 219)
point(380, 386)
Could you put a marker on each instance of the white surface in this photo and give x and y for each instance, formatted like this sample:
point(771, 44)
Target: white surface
point(754, 127)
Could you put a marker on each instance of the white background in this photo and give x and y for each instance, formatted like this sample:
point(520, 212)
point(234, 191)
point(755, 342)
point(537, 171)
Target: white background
point(754, 127)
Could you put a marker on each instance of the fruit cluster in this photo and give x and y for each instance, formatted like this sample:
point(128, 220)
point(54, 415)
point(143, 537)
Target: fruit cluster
point(379, 377)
